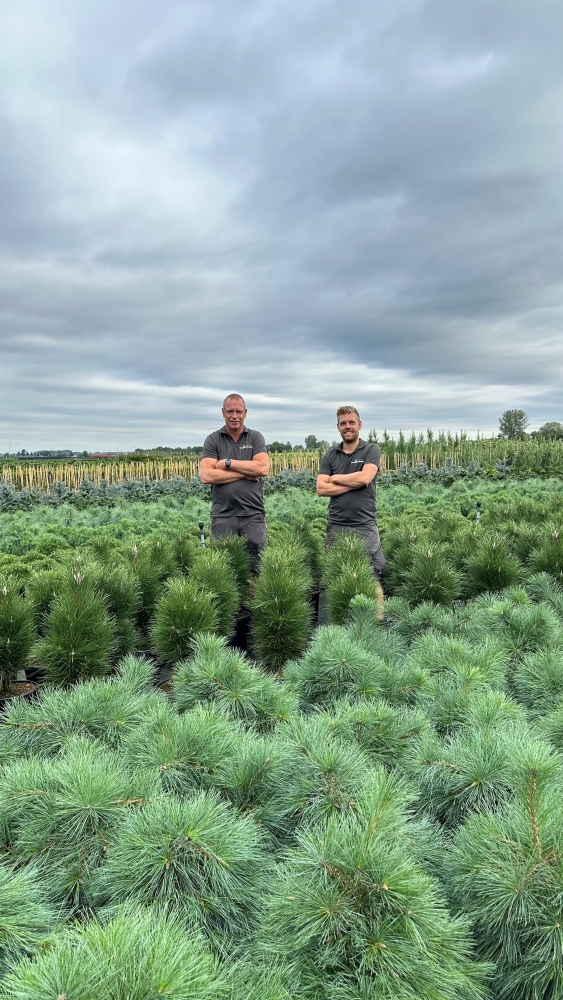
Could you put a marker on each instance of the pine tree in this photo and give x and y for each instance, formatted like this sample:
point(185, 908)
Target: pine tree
point(321, 774)
point(17, 632)
point(212, 570)
point(348, 573)
point(334, 666)
point(506, 874)
point(64, 811)
point(492, 566)
point(219, 675)
point(354, 913)
point(139, 954)
point(237, 551)
point(26, 917)
point(548, 556)
point(104, 709)
point(41, 590)
point(80, 634)
point(181, 752)
point(182, 611)
point(281, 613)
point(538, 680)
point(384, 732)
point(197, 856)
point(431, 578)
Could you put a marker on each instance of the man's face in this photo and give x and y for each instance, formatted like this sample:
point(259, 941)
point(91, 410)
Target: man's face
point(234, 414)
point(349, 426)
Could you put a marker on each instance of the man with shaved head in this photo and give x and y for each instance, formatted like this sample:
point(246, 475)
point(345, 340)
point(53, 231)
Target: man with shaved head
point(234, 462)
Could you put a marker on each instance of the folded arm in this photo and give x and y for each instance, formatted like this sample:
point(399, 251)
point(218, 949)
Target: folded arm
point(326, 488)
point(355, 480)
point(253, 469)
point(213, 471)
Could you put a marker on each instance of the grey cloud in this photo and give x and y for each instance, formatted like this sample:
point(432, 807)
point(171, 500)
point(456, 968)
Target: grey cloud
point(203, 193)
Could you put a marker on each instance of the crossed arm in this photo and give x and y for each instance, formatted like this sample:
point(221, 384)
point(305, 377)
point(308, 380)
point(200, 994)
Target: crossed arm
point(213, 470)
point(335, 486)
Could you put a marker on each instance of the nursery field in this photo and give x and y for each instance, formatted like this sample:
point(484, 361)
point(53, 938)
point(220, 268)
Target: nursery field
point(219, 791)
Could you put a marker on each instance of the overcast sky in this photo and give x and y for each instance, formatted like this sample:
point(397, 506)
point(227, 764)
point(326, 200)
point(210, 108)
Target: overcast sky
point(313, 203)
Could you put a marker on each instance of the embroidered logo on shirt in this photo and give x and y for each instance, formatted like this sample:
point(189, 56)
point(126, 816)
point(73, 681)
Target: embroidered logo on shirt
point(357, 461)
point(241, 446)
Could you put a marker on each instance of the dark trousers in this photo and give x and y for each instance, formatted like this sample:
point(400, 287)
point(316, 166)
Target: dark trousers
point(250, 526)
point(371, 540)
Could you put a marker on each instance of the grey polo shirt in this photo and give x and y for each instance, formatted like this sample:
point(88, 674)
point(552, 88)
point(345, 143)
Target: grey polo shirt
point(241, 497)
point(355, 509)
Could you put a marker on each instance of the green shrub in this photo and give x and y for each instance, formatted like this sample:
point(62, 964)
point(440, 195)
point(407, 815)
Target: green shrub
point(348, 573)
point(320, 776)
point(492, 566)
point(184, 549)
point(196, 855)
point(226, 678)
point(281, 613)
point(212, 570)
point(63, 812)
point(548, 556)
point(538, 680)
point(237, 551)
point(354, 913)
point(122, 590)
point(431, 578)
point(17, 632)
point(506, 873)
point(334, 666)
point(138, 955)
point(384, 732)
point(182, 611)
point(26, 918)
point(152, 563)
point(104, 709)
point(41, 590)
point(80, 635)
point(181, 752)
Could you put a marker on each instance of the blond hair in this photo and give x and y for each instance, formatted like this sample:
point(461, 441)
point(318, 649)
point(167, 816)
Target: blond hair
point(346, 409)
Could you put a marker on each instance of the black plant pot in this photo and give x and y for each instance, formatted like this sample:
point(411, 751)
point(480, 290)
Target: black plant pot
point(29, 692)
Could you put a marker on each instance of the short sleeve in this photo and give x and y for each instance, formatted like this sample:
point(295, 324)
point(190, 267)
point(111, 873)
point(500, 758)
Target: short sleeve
point(373, 455)
point(325, 468)
point(258, 443)
point(210, 449)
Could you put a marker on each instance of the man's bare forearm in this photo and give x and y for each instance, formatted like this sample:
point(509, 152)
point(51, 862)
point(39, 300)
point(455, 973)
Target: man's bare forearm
point(353, 480)
point(219, 477)
point(249, 469)
point(331, 490)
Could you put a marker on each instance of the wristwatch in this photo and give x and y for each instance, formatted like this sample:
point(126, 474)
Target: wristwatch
point(228, 463)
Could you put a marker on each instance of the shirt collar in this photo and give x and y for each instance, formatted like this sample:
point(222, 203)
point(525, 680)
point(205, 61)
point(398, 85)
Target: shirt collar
point(226, 433)
point(339, 447)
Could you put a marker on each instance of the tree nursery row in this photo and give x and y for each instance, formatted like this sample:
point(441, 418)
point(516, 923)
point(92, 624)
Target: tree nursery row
point(365, 803)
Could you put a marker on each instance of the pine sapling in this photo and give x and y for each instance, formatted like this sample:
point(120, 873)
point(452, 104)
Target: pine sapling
point(182, 611)
point(492, 566)
point(431, 577)
point(197, 856)
point(140, 954)
point(80, 635)
point(212, 570)
point(17, 632)
point(237, 550)
point(354, 913)
point(26, 917)
point(281, 614)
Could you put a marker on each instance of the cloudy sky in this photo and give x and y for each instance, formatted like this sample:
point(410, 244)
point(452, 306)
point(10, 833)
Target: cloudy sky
point(312, 203)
